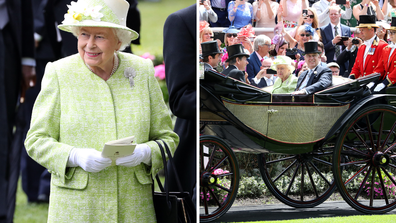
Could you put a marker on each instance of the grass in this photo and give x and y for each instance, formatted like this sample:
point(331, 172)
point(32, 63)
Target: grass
point(153, 16)
point(350, 219)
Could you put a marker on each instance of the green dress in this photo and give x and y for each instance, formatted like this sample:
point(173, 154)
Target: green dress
point(288, 86)
point(76, 108)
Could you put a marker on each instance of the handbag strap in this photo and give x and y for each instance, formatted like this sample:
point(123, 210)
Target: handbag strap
point(166, 176)
point(172, 164)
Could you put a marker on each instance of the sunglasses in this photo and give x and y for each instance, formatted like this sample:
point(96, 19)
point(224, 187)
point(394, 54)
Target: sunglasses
point(392, 32)
point(310, 16)
point(307, 35)
point(229, 35)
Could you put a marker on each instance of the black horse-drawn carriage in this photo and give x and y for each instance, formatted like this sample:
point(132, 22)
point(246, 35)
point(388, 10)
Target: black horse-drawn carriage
point(342, 137)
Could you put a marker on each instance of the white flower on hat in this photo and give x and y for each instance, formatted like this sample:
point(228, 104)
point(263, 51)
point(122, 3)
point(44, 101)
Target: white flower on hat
point(78, 11)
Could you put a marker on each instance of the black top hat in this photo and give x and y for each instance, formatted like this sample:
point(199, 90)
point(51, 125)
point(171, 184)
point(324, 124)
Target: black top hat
point(235, 51)
point(311, 47)
point(210, 48)
point(367, 21)
point(393, 24)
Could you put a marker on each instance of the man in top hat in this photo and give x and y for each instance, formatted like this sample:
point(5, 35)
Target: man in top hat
point(369, 53)
point(237, 59)
point(317, 77)
point(387, 63)
point(211, 54)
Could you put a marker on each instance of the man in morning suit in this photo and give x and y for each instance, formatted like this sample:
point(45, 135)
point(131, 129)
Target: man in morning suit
point(211, 54)
point(17, 74)
point(331, 37)
point(387, 64)
point(237, 59)
point(317, 77)
point(180, 58)
point(369, 54)
point(261, 47)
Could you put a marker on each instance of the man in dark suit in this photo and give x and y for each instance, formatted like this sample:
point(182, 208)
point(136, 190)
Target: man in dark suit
point(332, 33)
point(16, 67)
point(180, 58)
point(211, 54)
point(36, 178)
point(317, 77)
point(237, 59)
point(349, 55)
point(261, 47)
point(265, 77)
point(220, 7)
point(69, 41)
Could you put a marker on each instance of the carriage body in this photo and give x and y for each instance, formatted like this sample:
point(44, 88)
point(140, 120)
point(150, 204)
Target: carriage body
point(306, 128)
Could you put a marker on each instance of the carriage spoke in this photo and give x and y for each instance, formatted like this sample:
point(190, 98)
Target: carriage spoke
point(389, 176)
point(218, 164)
point(322, 161)
point(380, 131)
point(284, 171)
point(320, 174)
point(202, 158)
point(292, 180)
point(355, 150)
point(382, 185)
point(224, 174)
point(392, 165)
point(302, 183)
point(312, 182)
point(360, 137)
point(362, 184)
point(390, 148)
point(372, 187)
point(205, 201)
point(355, 162)
point(370, 132)
point(215, 197)
point(211, 158)
point(221, 187)
point(280, 160)
point(388, 136)
point(356, 174)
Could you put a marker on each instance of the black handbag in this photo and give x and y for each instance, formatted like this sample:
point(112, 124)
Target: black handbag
point(172, 207)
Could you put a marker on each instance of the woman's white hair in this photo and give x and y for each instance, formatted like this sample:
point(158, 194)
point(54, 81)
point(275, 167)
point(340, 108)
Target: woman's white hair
point(260, 40)
point(123, 36)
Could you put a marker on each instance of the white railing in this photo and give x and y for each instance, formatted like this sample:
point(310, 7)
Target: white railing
point(256, 29)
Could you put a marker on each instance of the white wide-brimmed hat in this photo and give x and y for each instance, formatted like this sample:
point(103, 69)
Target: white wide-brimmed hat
point(283, 60)
point(97, 13)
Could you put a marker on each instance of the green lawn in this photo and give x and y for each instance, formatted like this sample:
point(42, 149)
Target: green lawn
point(351, 219)
point(153, 16)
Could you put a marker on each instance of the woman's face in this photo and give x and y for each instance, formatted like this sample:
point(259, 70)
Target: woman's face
point(392, 35)
point(282, 50)
point(206, 36)
point(308, 19)
point(305, 37)
point(231, 38)
point(96, 46)
point(283, 72)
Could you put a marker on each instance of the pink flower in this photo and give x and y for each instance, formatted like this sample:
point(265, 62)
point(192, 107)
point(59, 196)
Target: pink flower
point(159, 71)
point(218, 172)
point(147, 55)
point(224, 57)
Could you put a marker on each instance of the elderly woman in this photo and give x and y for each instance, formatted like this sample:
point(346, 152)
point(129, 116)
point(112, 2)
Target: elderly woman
point(88, 99)
point(285, 83)
point(240, 13)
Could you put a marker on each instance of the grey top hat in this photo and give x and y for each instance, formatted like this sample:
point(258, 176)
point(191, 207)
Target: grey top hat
point(210, 48)
point(235, 51)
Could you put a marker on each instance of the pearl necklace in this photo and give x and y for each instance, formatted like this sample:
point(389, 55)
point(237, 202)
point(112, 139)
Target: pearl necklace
point(115, 66)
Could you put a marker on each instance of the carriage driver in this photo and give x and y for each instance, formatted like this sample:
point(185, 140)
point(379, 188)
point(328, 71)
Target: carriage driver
point(317, 77)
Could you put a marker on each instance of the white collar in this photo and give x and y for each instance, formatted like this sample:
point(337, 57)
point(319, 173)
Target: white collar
point(370, 41)
point(338, 25)
point(392, 45)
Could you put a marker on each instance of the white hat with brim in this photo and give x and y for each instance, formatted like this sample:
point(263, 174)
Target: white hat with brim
point(98, 13)
point(283, 60)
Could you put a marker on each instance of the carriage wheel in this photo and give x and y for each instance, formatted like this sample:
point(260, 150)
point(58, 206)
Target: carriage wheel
point(299, 180)
point(365, 160)
point(219, 178)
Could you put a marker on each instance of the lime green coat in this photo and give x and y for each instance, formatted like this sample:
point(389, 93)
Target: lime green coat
point(288, 86)
point(76, 108)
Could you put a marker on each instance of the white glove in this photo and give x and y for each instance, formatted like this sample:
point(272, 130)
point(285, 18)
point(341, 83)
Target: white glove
point(90, 160)
point(379, 87)
point(141, 154)
point(370, 85)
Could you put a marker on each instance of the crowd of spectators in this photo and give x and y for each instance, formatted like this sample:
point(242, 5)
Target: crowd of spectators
point(295, 24)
